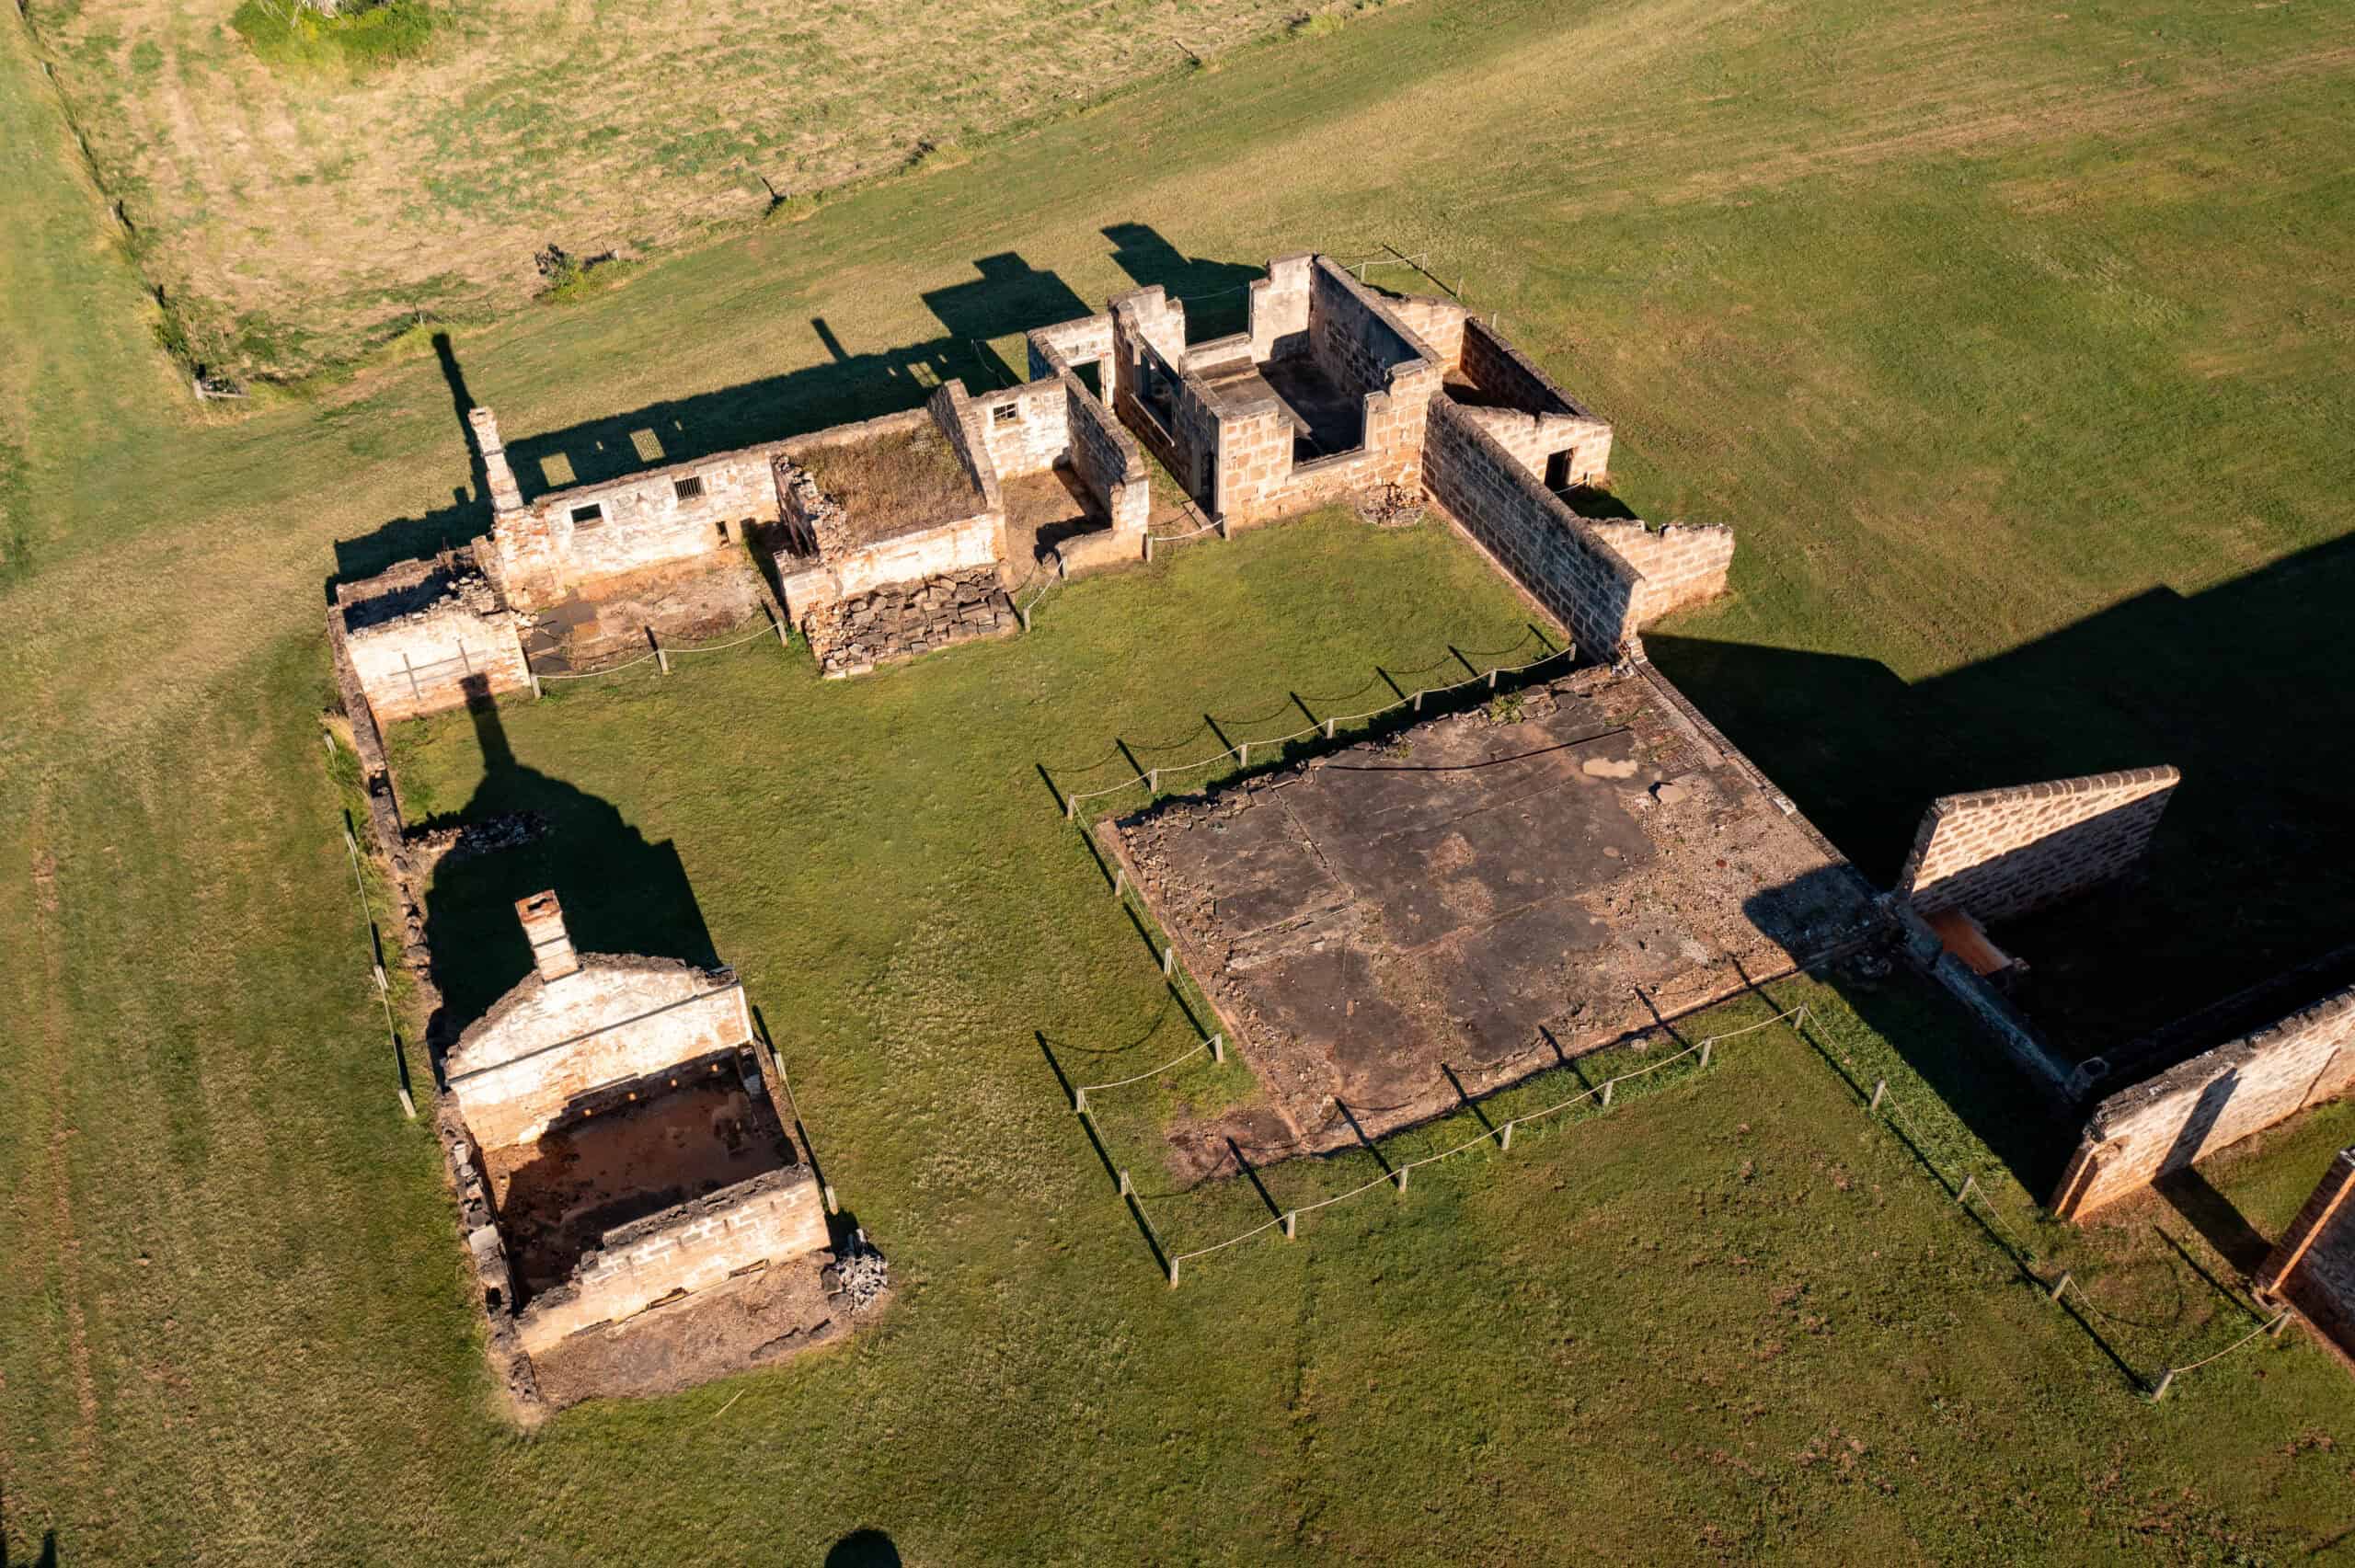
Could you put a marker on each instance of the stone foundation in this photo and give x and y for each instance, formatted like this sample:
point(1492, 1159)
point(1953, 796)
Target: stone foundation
point(905, 620)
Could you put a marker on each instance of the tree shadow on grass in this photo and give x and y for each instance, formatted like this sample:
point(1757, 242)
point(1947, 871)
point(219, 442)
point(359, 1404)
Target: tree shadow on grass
point(620, 893)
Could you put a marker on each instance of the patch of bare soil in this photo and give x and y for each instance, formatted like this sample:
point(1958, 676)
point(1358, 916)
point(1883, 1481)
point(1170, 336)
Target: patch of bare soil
point(755, 1320)
point(683, 608)
point(1475, 899)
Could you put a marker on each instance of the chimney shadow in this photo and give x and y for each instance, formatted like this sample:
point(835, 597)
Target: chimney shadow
point(621, 893)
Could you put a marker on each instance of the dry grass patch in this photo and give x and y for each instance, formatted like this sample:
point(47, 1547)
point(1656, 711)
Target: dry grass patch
point(895, 484)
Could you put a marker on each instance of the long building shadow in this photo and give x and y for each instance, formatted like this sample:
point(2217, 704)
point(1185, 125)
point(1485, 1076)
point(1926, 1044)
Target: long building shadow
point(2246, 686)
point(620, 892)
point(1216, 292)
point(1008, 296)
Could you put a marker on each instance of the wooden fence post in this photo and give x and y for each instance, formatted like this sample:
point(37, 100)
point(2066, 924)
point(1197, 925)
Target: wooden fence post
point(1504, 1139)
point(1880, 1088)
point(1218, 1048)
point(662, 659)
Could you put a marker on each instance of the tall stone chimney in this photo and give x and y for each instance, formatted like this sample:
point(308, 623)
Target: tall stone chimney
point(543, 920)
point(506, 495)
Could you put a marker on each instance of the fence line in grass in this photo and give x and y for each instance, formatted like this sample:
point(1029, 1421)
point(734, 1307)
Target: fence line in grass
point(661, 654)
point(1883, 1100)
point(1241, 751)
point(1500, 1135)
point(376, 965)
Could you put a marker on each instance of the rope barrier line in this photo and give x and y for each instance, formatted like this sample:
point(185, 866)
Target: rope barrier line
point(384, 989)
point(1079, 1096)
point(2267, 1327)
point(1239, 752)
point(1500, 1134)
point(767, 629)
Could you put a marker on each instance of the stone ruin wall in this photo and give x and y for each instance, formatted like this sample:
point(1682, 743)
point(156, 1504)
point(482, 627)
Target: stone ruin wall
point(454, 645)
point(540, 553)
point(769, 1218)
point(1542, 419)
point(1027, 428)
point(2001, 853)
point(1541, 543)
point(1278, 306)
point(2191, 1111)
point(1682, 564)
point(1109, 463)
point(549, 1043)
point(2313, 1265)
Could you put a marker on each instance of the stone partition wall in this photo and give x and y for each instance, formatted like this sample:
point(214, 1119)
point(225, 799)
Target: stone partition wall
point(773, 1217)
point(2313, 1265)
point(426, 636)
point(1278, 307)
point(2001, 853)
point(1682, 564)
point(548, 1043)
point(1107, 462)
point(1541, 542)
point(1533, 418)
point(2214, 1099)
point(1067, 345)
point(1355, 338)
point(1439, 323)
point(1027, 428)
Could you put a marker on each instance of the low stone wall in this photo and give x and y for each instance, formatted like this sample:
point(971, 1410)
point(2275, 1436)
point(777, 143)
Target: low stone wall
point(1682, 564)
point(1546, 547)
point(773, 1217)
point(2313, 1265)
point(426, 637)
point(2000, 852)
point(2214, 1099)
point(548, 1043)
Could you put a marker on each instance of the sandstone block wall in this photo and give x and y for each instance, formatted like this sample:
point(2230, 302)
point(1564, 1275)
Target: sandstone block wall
point(418, 638)
point(1027, 428)
point(2141, 1133)
point(1107, 462)
point(1546, 547)
point(1356, 340)
point(1068, 345)
point(1536, 419)
point(573, 538)
point(1682, 564)
point(2314, 1263)
point(1279, 306)
point(773, 1217)
point(1439, 323)
point(2000, 852)
point(547, 1043)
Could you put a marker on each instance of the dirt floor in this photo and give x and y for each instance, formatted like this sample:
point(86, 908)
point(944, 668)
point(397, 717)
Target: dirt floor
point(557, 1198)
point(1041, 510)
point(583, 632)
point(1475, 898)
point(755, 1320)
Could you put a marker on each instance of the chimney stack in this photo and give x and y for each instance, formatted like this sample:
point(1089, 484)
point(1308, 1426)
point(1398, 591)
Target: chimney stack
point(543, 920)
point(506, 495)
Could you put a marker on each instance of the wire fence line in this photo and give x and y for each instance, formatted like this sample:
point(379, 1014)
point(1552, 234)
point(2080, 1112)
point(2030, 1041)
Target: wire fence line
point(376, 967)
point(1967, 1186)
point(1241, 751)
point(1395, 1175)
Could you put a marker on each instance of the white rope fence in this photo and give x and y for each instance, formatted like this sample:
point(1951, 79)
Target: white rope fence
point(1500, 1135)
point(1215, 1045)
point(662, 655)
point(1241, 751)
point(1884, 1099)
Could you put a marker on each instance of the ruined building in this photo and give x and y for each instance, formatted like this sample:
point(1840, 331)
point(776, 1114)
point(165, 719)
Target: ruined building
point(890, 538)
point(616, 1150)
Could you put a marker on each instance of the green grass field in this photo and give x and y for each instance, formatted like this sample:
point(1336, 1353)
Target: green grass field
point(2010, 341)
